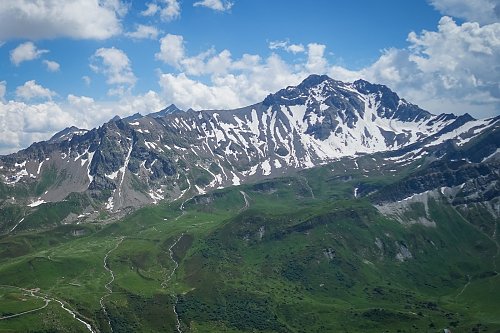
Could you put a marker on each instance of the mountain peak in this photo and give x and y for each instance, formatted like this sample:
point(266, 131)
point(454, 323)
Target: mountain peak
point(172, 108)
point(66, 134)
point(314, 80)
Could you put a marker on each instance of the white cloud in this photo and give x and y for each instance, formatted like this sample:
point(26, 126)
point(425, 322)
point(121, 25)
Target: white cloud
point(87, 113)
point(171, 50)
point(86, 79)
point(31, 90)
point(117, 6)
point(234, 83)
point(169, 10)
point(151, 9)
point(52, 66)
point(481, 11)
point(316, 62)
point(3, 90)
point(25, 52)
point(189, 93)
point(80, 19)
point(218, 5)
point(285, 45)
point(115, 64)
point(454, 69)
point(22, 124)
point(143, 32)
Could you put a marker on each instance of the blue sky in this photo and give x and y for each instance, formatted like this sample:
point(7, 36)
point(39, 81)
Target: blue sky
point(80, 62)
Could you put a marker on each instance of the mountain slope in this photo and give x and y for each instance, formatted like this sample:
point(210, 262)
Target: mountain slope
point(142, 160)
point(399, 234)
point(312, 251)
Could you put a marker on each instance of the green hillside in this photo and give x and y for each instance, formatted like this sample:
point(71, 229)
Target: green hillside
point(293, 254)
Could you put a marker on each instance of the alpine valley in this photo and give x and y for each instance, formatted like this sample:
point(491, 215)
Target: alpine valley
point(327, 207)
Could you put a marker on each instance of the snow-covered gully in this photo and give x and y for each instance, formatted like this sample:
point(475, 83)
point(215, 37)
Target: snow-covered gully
point(18, 223)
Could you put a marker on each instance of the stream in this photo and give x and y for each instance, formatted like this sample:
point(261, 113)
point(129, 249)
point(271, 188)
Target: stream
point(108, 285)
point(48, 299)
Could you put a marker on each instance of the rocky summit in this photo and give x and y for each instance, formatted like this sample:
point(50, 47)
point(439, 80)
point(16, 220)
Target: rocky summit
point(140, 160)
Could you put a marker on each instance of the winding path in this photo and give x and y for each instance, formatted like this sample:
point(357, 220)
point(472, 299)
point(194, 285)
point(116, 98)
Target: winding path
point(465, 286)
point(108, 285)
point(490, 237)
point(31, 292)
point(47, 300)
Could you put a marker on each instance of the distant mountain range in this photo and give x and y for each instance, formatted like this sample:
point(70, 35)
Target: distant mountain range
point(141, 160)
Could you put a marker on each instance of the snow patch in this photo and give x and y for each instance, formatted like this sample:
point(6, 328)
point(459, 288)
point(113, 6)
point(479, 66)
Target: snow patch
point(112, 175)
point(39, 167)
point(36, 203)
point(491, 155)
point(18, 223)
point(266, 168)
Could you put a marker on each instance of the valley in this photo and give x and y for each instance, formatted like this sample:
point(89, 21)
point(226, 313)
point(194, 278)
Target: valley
point(274, 259)
point(232, 233)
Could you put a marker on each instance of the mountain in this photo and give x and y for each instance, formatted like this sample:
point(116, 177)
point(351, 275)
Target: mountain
point(327, 207)
point(67, 134)
point(143, 159)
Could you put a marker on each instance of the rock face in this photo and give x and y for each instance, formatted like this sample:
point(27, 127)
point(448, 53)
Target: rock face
point(144, 159)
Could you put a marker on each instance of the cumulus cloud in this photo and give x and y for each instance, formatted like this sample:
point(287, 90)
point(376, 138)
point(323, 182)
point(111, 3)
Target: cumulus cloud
point(25, 52)
point(31, 90)
point(454, 69)
point(233, 82)
point(171, 50)
point(217, 5)
point(81, 19)
point(481, 11)
point(23, 123)
point(190, 93)
point(316, 62)
point(52, 66)
point(115, 64)
point(287, 46)
point(151, 9)
point(88, 113)
point(143, 32)
point(169, 10)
